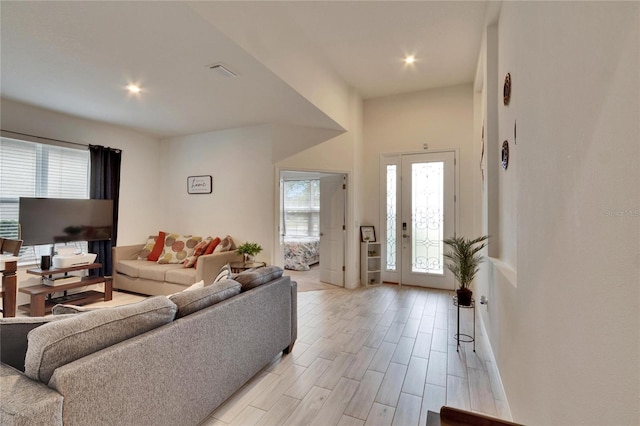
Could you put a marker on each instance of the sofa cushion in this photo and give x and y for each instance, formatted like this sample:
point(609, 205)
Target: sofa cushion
point(61, 342)
point(210, 248)
point(131, 268)
point(153, 247)
point(189, 302)
point(13, 337)
point(155, 272)
point(157, 247)
point(181, 276)
point(62, 309)
point(177, 248)
point(257, 277)
point(148, 247)
point(25, 402)
point(212, 245)
point(198, 250)
point(226, 244)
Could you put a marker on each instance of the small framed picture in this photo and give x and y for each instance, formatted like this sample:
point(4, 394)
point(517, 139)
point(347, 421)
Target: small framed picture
point(368, 234)
point(199, 184)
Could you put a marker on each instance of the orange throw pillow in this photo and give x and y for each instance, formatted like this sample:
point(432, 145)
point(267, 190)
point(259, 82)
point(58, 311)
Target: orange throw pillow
point(157, 248)
point(212, 245)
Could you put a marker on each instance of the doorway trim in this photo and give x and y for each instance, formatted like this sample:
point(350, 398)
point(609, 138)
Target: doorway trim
point(391, 276)
point(350, 280)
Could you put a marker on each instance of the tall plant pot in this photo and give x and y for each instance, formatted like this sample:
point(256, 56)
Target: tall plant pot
point(464, 296)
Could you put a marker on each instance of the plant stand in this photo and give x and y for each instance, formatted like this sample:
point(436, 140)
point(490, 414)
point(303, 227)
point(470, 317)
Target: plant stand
point(465, 338)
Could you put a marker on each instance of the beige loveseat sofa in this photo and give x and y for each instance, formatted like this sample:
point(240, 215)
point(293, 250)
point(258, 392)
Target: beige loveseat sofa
point(156, 362)
point(148, 277)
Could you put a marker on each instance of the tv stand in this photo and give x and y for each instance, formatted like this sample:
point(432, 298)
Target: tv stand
point(42, 300)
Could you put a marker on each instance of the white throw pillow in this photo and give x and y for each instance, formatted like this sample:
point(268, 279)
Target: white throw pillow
point(223, 274)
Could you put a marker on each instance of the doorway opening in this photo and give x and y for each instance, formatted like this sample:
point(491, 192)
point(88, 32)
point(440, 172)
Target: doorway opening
point(312, 225)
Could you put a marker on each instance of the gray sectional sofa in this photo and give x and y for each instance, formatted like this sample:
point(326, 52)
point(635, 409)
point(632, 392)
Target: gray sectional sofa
point(175, 364)
point(147, 277)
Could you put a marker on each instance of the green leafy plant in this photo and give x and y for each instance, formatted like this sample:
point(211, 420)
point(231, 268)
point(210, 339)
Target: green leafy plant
point(250, 249)
point(464, 258)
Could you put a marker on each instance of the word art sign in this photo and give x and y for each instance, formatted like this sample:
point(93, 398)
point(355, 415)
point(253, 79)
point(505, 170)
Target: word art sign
point(199, 184)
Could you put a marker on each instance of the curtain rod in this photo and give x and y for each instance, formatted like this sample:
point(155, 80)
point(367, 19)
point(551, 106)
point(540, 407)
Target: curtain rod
point(43, 138)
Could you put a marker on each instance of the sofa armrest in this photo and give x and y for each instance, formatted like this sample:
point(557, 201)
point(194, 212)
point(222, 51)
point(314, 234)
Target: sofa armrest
point(209, 265)
point(126, 252)
point(26, 402)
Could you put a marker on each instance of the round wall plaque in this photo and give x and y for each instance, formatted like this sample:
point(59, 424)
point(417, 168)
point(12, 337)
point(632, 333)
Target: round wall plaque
point(506, 90)
point(505, 155)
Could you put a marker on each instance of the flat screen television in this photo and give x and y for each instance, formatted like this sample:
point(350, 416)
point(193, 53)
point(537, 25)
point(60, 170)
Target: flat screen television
point(61, 220)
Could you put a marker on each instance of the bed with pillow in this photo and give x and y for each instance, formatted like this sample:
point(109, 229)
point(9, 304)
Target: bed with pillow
point(301, 252)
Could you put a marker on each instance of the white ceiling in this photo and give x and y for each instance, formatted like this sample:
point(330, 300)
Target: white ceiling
point(77, 57)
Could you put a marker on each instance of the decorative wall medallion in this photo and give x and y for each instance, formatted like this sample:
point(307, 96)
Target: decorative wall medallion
point(505, 155)
point(482, 148)
point(482, 158)
point(506, 90)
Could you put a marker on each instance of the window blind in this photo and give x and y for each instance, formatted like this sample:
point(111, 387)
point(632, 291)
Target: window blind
point(302, 208)
point(29, 169)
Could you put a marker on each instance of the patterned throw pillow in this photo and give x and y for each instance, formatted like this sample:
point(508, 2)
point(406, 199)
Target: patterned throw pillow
point(210, 248)
point(147, 247)
point(153, 247)
point(177, 248)
point(226, 244)
point(198, 250)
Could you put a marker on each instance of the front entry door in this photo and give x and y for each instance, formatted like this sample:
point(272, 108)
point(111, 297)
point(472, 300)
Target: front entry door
point(427, 217)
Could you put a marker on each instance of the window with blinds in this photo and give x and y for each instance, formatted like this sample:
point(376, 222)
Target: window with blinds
point(29, 169)
point(302, 208)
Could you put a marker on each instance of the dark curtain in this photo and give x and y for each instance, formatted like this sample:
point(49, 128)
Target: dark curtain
point(105, 185)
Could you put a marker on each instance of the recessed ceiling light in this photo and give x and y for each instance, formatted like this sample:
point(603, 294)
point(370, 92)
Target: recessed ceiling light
point(409, 59)
point(133, 88)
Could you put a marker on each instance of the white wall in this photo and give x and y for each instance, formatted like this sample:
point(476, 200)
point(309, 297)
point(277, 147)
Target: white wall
point(567, 338)
point(442, 118)
point(241, 204)
point(139, 190)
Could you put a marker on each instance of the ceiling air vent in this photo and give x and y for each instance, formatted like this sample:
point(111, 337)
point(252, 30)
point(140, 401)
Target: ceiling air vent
point(222, 70)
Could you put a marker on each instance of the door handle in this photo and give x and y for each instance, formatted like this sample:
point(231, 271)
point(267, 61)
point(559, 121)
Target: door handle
point(405, 235)
point(321, 234)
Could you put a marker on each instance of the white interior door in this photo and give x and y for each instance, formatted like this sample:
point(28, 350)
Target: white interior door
point(427, 217)
point(332, 229)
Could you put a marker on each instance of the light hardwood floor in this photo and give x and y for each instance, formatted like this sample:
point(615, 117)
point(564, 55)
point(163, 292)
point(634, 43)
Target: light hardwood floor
point(381, 355)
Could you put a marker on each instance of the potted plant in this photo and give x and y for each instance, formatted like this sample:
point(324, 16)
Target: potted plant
point(249, 251)
point(464, 264)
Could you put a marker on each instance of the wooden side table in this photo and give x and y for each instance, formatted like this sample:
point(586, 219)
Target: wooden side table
point(237, 267)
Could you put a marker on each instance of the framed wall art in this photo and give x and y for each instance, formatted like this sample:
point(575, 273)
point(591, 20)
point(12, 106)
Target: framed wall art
point(368, 234)
point(199, 184)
